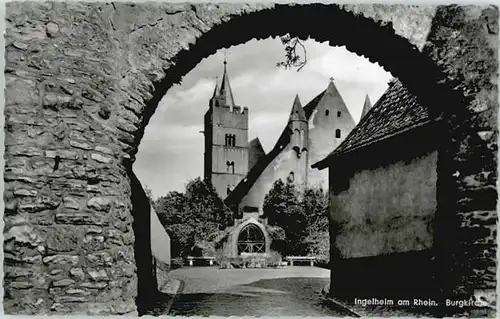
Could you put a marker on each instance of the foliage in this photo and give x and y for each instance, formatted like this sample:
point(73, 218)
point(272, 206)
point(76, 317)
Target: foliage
point(292, 57)
point(149, 193)
point(194, 218)
point(298, 224)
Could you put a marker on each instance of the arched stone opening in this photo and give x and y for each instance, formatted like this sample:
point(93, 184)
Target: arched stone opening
point(251, 240)
point(139, 58)
point(426, 73)
point(375, 40)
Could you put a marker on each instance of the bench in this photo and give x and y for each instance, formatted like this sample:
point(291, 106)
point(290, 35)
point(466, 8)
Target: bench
point(191, 260)
point(311, 259)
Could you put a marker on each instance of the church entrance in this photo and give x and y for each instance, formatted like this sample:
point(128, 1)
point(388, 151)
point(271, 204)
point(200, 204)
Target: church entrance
point(251, 240)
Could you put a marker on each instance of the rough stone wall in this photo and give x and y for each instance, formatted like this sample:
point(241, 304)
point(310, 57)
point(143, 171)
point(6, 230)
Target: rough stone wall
point(68, 238)
point(387, 210)
point(82, 81)
point(464, 42)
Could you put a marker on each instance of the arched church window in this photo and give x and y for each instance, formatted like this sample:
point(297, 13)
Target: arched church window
point(291, 177)
point(337, 133)
point(251, 240)
point(227, 142)
point(327, 112)
point(339, 114)
point(233, 140)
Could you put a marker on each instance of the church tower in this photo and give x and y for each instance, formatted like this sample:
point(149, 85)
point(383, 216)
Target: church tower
point(299, 143)
point(226, 139)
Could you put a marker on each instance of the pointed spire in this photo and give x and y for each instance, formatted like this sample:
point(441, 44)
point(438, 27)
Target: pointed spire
point(366, 107)
point(216, 90)
point(297, 113)
point(225, 89)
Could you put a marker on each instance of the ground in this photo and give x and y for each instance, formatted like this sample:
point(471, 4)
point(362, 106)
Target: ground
point(292, 291)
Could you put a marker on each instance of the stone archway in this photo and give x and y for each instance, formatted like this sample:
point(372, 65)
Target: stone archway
point(83, 80)
point(251, 240)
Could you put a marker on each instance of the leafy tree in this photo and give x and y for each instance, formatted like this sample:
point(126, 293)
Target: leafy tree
point(171, 208)
point(193, 218)
point(300, 218)
point(315, 206)
point(282, 208)
point(182, 239)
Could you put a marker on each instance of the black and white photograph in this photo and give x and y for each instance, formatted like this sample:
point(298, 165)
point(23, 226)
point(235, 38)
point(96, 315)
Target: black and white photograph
point(245, 158)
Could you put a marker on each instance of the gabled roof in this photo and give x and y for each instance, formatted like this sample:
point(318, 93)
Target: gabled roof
point(244, 186)
point(395, 112)
point(366, 107)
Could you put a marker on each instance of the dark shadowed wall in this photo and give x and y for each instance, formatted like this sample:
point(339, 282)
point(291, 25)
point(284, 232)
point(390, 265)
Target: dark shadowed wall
point(387, 209)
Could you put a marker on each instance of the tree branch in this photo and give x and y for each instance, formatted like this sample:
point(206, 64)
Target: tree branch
point(292, 53)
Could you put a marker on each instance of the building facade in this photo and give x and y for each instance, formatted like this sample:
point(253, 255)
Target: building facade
point(383, 190)
point(243, 173)
point(313, 131)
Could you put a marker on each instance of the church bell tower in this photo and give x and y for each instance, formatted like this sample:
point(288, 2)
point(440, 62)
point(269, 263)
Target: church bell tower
point(226, 139)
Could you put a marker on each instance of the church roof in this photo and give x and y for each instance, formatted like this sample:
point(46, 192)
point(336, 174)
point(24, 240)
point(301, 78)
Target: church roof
point(225, 91)
point(297, 113)
point(244, 186)
point(216, 90)
point(366, 107)
point(395, 112)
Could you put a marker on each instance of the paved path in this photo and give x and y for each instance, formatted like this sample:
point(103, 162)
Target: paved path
point(293, 291)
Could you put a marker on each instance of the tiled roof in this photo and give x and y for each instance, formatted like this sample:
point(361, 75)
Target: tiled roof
point(244, 186)
point(395, 112)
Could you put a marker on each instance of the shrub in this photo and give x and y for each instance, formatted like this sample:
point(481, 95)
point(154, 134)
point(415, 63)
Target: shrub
point(274, 259)
point(176, 263)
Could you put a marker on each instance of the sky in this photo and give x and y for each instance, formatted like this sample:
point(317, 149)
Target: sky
point(171, 151)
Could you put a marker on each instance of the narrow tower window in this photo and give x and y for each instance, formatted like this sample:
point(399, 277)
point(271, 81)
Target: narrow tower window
point(337, 133)
point(230, 166)
point(339, 114)
point(327, 112)
point(230, 140)
point(291, 177)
